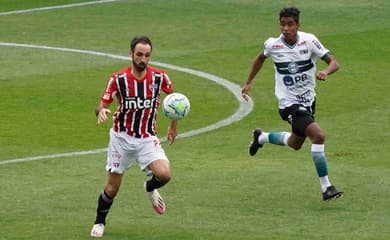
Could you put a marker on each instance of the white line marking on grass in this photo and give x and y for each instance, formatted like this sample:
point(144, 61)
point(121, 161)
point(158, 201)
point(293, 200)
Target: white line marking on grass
point(58, 155)
point(56, 7)
point(243, 110)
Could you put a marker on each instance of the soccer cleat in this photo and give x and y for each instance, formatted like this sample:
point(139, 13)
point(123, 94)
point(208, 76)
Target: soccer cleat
point(331, 193)
point(97, 230)
point(157, 201)
point(255, 145)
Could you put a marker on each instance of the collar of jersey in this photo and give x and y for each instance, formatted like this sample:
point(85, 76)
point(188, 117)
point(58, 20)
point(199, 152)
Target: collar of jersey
point(288, 45)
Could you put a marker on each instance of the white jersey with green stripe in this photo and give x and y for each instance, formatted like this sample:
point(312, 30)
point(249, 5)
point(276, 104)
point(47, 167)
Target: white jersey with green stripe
point(295, 68)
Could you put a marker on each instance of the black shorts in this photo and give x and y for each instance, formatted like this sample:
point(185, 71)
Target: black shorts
point(299, 117)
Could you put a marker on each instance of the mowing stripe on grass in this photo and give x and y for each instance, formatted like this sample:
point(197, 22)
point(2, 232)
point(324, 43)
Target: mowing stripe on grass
point(56, 7)
point(244, 108)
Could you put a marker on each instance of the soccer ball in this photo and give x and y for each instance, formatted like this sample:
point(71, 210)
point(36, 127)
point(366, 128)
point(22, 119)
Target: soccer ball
point(176, 106)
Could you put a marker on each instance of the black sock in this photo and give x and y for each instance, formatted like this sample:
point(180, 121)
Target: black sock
point(154, 183)
point(104, 204)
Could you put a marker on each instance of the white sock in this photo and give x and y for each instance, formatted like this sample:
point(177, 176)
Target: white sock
point(286, 137)
point(263, 138)
point(325, 183)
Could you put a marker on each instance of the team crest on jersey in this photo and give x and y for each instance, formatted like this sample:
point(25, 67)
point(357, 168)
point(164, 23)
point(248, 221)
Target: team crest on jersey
point(293, 67)
point(153, 86)
point(156, 143)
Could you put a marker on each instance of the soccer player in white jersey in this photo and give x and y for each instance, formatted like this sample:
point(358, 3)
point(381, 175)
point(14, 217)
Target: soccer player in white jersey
point(294, 55)
point(133, 136)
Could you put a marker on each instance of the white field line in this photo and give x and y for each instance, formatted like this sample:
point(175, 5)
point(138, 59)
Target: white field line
point(56, 7)
point(243, 110)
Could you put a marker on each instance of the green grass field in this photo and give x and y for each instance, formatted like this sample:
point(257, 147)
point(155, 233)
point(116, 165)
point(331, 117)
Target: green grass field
point(217, 191)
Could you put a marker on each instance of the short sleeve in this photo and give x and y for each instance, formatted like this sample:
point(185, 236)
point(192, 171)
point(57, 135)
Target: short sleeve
point(110, 91)
point(316, 47)
point(166, 84)
point(267, 47)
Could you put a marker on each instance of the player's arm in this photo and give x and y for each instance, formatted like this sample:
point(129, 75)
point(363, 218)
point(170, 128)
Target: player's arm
point(172, 90)
point(332, 66)
point(172, 131)
point(102, 110)
point(172, 128)
point(256, 66)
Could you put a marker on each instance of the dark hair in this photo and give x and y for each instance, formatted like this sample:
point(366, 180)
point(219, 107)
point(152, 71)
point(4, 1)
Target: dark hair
point(290, 12)
point(140, 39)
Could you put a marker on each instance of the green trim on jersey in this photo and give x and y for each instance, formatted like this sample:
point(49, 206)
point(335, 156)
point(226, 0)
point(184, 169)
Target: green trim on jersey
point(325, 55)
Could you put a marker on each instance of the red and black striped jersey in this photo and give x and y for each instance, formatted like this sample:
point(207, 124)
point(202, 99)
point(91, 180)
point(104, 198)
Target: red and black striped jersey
point(138, 100)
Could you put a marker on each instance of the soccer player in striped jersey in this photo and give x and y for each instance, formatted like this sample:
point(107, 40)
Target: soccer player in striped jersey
point(294, 55)
point(133, 136)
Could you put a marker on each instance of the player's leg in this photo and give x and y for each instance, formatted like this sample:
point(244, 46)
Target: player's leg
point(105, 201)
point(277, 138)
point(260, 137)
point(303, 124)
point(317, 137)
point(154, 162)
point(293, 139)
point(161, 175)
point(107, 196)
point(118, 160)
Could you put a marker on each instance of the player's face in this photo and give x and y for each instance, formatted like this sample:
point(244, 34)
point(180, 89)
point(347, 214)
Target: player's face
point(289, 28)
point(141, 56)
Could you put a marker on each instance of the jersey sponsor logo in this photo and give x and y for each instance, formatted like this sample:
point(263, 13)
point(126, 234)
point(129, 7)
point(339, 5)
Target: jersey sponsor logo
point(106, 96)
point(317, 44)
point(290, 81)
point(138, 103)
point(306, 97)
point(277, 46)
point(304, 51)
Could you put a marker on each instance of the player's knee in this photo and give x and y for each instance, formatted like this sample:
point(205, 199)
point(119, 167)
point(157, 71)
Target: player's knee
point(111, 190)
point(164, 176)
point(296, 148)
point(295, 142)
point(318, 138)
point(162, 172)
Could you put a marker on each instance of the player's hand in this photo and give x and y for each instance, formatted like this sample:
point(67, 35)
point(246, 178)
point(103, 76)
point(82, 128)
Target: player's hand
point(172, 132)
point(103, 115)
point(321, 75)
point(245, 92)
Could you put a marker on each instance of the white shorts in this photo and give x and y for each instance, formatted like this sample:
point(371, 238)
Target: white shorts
point(124, 150)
